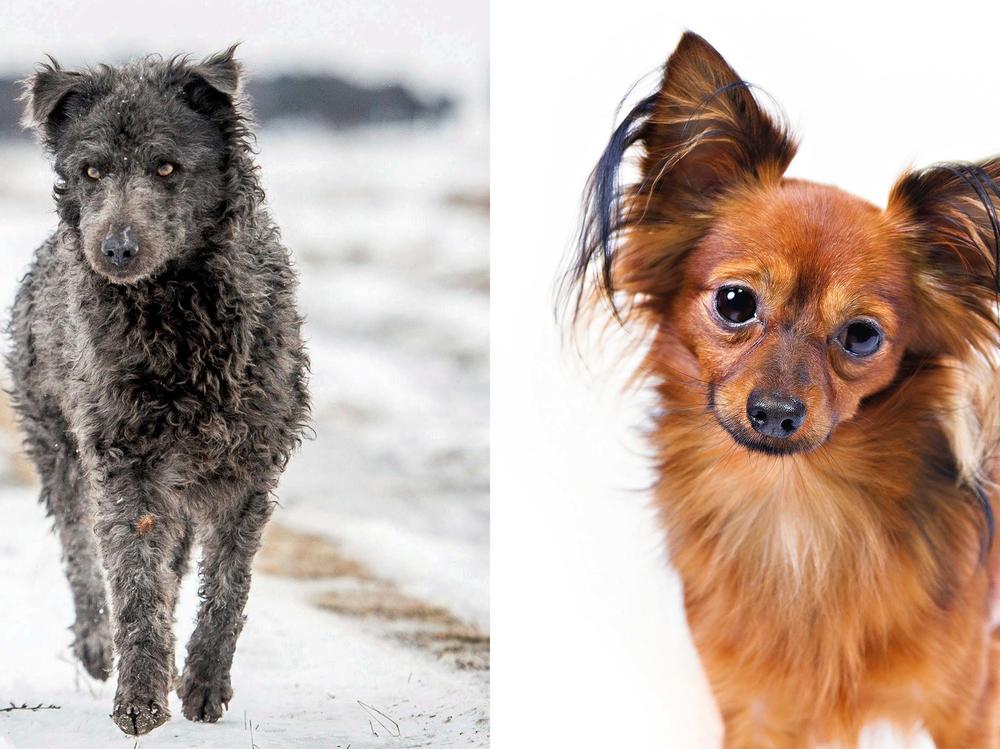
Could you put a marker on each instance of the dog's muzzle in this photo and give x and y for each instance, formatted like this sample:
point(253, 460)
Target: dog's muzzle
point(120, 247)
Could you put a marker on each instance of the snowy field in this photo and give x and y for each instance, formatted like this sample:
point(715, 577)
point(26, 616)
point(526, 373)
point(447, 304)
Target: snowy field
point(368, 622)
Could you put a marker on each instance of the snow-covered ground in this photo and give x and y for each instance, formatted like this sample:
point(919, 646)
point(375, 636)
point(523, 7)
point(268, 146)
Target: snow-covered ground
point(374, 588)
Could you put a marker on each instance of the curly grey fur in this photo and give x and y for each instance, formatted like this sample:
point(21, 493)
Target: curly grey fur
point(160, 401)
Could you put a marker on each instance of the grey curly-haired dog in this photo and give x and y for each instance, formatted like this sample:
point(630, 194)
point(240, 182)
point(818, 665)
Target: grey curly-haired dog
point(158, 366)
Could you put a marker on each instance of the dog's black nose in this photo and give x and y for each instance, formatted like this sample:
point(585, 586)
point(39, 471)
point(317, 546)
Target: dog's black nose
point(775, 414)
point(120, 247)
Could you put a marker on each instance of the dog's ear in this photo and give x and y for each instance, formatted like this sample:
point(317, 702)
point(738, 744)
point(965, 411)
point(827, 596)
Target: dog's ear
point(706, 132)
point(213, 85)
point(222, 71)
point(949, 216)
point(702, 133)
point(50, 96)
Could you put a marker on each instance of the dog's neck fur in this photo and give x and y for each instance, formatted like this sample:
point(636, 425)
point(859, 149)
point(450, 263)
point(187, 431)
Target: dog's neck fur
point(201, 313)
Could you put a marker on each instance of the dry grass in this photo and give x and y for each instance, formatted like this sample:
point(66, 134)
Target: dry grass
point(15, 468)
point(477, 201)
point(464, 646)
point(417, 623)
point(384, 603)
point(304, 556)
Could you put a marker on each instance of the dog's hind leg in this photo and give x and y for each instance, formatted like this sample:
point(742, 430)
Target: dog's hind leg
point(229, 546)
point(64, 492)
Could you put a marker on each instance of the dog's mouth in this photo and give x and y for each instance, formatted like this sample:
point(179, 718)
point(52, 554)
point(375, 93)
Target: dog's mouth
point(761, 444)
point(120, 273)
point(121, 277)
point(746, 437)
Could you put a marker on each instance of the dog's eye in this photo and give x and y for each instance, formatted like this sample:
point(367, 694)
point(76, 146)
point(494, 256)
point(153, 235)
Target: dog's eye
point(735, 304)
point(93, 173)
point(860, 338)
point(165, 169)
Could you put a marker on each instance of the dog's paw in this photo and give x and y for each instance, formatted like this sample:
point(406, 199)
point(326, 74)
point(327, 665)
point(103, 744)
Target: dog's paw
point(204, 700)
point(139, 717)
point(94, 650)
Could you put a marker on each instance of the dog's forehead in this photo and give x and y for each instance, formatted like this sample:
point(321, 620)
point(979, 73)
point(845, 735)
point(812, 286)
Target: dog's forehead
point(139, 102)
point(801, 225)
point(809, 247)
point(802, 222)
point(141, 111)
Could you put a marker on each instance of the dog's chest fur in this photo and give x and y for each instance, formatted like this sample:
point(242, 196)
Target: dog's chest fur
point(825, 581)
point(205, 359)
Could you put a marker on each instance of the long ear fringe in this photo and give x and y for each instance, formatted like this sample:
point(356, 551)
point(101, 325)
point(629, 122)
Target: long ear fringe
point(982, 184)
point(988, 534)
point(602, 215)
point(972, 426)
point(985, 188)
point(606, 213)
point(978, 180)
point(954, 206)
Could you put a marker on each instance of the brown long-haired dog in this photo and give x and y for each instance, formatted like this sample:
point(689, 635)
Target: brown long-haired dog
point(829, 414)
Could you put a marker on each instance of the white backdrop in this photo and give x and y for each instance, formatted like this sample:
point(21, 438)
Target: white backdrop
point(590, 647)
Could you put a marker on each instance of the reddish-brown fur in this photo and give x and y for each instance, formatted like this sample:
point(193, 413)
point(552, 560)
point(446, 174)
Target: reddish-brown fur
point(845, 581)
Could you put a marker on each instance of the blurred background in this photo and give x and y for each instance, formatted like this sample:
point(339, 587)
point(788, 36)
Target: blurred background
point(369, 619)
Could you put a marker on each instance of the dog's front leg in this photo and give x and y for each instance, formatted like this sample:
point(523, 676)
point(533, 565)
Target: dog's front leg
point(139, 536)
point(229, 544)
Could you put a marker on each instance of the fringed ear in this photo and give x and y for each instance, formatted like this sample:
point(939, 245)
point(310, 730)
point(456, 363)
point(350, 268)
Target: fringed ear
point(706, 132)
point(222, 71)
point(949, 212)
point(212, 86)
point(50, 96)
point(702, 133)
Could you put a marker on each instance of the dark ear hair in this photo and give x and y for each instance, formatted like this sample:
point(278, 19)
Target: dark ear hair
point(706, 131)
point(950, 215)
point(49, 96)
point(222, 71)
point(702, 133)
point(212, 86)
